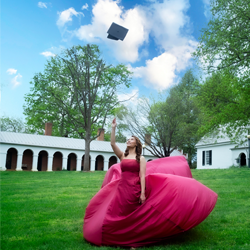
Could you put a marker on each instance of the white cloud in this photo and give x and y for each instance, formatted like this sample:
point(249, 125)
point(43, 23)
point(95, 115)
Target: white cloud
point(47, 53)
point(183, 54)
point(85, 6)
point(15, 81)
point(207, 12)
point(159, 73)
point(42, 5)
point(104, 13)
point(66, 16)
point(166, 22)
point(11, 71)
point(53, 51)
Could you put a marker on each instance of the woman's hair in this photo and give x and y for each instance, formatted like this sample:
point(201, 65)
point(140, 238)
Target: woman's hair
point(138, 149)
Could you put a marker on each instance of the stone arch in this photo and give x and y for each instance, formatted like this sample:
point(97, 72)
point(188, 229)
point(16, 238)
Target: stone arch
point(42, 163)
point(243, 160)
point(57, 161)
point(27, 160)
point(82, 164)
point(149, 160)
point(112, 160)
point(71, 163)
point(99, 162)
point(11, 159)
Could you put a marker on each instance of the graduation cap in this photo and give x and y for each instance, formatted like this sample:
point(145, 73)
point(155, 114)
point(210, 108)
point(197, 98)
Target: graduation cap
point(117, 32)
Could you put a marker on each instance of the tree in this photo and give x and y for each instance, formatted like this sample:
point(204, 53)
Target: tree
point(11, 124)
point(188, 89)
point(40, 110)
point(172, 122)
point(225, 42)
point(165, 118)
point(160, 120)
point(137, 120)
point(224, 50)
point(77, 91)
point(224, 105)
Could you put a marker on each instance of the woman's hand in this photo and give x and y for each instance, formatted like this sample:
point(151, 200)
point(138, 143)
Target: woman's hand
point(113, 125)
point(116, 149)
point(142, 198)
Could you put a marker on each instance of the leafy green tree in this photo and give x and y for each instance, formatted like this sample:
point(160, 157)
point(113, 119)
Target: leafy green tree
point(40, 110)
point(224, 105)
point(165, 119)
point(160, 119)
point(224, 49)
point(171, 121)
point(225, 42)
point(77, 92)
point(11, 124)
point(187, 135)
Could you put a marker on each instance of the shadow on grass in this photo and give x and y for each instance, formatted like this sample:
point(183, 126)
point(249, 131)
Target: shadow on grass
point(179, 241)
point(188, 236)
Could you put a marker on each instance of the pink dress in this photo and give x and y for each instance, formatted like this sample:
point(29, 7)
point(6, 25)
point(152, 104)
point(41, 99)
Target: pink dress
point(174, 204)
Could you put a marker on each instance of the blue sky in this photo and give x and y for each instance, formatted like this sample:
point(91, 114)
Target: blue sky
point(162, 35)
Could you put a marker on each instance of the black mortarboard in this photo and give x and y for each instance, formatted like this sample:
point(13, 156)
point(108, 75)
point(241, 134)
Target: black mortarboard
point(117, 32)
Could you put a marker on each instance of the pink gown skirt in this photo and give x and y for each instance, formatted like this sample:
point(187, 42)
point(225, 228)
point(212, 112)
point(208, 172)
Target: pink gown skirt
point(175, 203)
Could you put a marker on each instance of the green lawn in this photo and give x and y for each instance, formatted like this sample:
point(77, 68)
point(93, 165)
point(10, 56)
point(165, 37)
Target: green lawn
point(45, 210)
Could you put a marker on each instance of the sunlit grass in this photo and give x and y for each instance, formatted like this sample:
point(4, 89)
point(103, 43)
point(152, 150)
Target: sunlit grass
point(45, 210)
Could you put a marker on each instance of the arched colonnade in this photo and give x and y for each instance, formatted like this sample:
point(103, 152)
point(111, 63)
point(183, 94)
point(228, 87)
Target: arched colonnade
point(30, 159)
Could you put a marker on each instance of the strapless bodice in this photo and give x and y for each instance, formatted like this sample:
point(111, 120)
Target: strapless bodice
point(130, 165)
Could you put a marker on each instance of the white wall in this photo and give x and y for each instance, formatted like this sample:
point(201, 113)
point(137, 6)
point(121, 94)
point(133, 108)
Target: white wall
point(221, 156)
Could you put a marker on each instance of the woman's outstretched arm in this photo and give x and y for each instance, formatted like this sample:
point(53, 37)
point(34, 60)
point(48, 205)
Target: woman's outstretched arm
point(115, 148)
point(142, 179)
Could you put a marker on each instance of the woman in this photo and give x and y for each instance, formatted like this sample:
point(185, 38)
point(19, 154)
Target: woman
point(133, 152)
point(143, 206)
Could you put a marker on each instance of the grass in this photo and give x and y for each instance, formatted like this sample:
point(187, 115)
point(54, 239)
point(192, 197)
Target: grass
point(45, 210)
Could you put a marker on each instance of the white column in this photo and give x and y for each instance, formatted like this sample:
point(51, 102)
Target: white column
point(34, 162)
point(92, 166)
point(3, 161)
point(64, 163)
point(106, 165)
point(78, 163)
point(50, 161)
point(19, 162)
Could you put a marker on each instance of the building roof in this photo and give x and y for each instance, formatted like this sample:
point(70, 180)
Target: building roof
point(219, 137)
point(58, 142)
point(213, 140)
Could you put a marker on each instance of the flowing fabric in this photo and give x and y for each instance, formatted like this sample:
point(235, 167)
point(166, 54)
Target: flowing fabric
point(175, 203)
point(176, 165)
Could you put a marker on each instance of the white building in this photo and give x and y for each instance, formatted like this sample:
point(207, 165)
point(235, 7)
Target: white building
point(20, 151)
point(221, 153)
